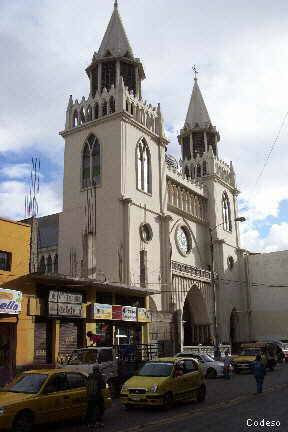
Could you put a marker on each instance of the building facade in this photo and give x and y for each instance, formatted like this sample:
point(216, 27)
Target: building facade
point(134, 216)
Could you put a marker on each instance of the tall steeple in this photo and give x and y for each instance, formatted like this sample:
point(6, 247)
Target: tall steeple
point(198, 136)
point(197, 114)
point(115, 59)
point(115, 41)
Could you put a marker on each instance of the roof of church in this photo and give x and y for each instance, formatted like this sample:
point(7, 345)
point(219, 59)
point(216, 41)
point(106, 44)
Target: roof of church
point(115, 39)
point(197, 111)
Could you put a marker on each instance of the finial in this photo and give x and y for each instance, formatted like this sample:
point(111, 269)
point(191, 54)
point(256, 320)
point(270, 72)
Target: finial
point(116, 4)
point(195, 72)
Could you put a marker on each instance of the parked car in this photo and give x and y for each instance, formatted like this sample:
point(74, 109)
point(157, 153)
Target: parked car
point(43, 396)
point(211, 367)
point(84, 359)
point(164, 381)
point(285, 348)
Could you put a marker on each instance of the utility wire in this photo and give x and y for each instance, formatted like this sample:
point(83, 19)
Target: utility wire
point(271, 150)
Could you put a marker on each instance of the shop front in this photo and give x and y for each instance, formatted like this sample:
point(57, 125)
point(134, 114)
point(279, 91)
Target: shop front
point(10, 307)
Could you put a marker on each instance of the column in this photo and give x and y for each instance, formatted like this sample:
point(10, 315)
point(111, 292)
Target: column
point(55, 340)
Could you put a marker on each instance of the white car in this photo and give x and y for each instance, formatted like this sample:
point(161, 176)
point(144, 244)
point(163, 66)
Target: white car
point(211, 367)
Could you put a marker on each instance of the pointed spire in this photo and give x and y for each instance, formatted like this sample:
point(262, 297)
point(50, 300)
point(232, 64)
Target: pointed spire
point(197, 112)
point(115, 40)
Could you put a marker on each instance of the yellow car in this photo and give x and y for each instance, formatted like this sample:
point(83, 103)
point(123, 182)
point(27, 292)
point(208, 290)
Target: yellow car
point(43, 396)
point(164, 381)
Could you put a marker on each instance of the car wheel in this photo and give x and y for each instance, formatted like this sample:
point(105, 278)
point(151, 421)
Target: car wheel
point(211, 373)
point(23, 422)
point(201, 394)
point(168, 400)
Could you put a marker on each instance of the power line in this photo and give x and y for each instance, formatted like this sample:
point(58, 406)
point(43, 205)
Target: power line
point(271, 150)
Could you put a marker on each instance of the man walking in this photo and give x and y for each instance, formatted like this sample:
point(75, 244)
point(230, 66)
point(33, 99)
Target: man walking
point(259, 373)
point(227, 364)
point(95, 402)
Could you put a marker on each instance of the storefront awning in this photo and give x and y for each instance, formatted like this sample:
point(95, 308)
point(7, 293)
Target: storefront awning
point(58, 280)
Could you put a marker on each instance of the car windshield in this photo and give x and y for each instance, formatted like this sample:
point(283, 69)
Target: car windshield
point(83, 357)
point(249, 352)
point(156, 369)
point(207, 358)
point(28, 383)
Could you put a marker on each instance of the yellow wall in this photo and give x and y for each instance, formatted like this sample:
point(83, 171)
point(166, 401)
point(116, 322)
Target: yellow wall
point(15, 238)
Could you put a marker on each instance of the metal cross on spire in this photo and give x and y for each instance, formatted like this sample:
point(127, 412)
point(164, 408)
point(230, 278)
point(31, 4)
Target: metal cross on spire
point(195, 72)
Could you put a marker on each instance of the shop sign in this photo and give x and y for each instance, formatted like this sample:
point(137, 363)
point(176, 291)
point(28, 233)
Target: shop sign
point(129, 313)
point(65, 304)
point(101, 311)
point(117, 313)
point(144, 315)
point(10, 301)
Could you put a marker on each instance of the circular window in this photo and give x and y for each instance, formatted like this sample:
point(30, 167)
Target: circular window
point(183, 240)
point(146, 232)
point(230, 262)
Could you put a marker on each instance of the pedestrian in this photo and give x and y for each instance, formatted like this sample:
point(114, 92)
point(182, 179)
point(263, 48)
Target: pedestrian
point(227, 365)
point(259, 373)
point(95, 398)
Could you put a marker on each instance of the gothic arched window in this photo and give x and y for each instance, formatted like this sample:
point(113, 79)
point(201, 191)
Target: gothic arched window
point(104, 108)
point(144, 178)
point(91, 163)
point(55, 264)
point(89, 113)
point(204, 168)
point(226, 211)
point(49, 264)
point(75, 119)
point(198, 170)
point(111, 105)
point(96, 111)
point(42, 266)
point(187, 172)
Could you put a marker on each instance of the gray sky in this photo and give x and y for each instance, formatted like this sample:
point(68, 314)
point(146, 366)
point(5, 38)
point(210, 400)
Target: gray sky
point(240, 49)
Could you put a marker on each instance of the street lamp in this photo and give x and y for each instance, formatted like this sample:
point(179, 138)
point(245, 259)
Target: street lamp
point(215, 327)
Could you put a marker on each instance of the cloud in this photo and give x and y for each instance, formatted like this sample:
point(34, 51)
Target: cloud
point(12, 196)
point(15, 171)
point(276, 239)
point(240, 51)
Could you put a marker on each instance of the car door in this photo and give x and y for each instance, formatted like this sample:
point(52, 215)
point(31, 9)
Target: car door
point(77, 384)
point(54, 399)
point(192, 378)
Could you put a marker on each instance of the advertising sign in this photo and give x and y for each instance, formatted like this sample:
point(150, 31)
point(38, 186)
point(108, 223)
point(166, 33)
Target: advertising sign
point(10, 301)
point(144, 315)
point(65, 304)
point(102, 311)
point(117, 313)
point(129, 313)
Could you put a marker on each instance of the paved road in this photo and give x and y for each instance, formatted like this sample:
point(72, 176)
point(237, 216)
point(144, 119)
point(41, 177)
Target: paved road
point(228, 406)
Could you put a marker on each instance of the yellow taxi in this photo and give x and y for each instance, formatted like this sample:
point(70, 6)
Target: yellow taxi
point(164, 381)
point(248, 352)
point(43, 396)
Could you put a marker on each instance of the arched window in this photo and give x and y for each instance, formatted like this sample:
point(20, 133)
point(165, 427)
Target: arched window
point(96, 111)
point(86, 166)
point(187, 172)
point(104, 108)
point(112, 105)
point(49, 264)
point(144, 177)
point(89, 113)
point(226, 211)
point(198, 170)
point(42, 266)
point(127, 105)
point(55, 264)
point(82, 116)
point(204, 168)
point(91, 163)
point(75, 119)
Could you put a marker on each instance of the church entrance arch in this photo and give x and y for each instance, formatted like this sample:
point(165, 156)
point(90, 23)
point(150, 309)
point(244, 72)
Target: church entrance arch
point(196, 325)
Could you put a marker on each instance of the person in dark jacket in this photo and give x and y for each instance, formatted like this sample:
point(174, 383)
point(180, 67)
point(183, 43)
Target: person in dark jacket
point(259, 373)
point(95, 398)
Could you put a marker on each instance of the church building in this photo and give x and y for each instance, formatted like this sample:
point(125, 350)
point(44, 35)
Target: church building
point(136, 218)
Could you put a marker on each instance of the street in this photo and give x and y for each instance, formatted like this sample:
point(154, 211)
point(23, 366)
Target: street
point(229, 404)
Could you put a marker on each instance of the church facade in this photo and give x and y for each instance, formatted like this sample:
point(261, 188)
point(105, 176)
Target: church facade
point(134, 216)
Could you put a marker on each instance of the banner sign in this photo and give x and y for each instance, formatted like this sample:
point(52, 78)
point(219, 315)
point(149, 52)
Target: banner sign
point(101, 311)
point(129, 313)
point(117, 313)
point(144, 315)
point(10, 301)
point(65, 304)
